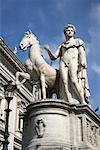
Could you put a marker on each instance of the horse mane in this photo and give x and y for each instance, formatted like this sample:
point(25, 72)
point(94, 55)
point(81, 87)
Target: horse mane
point(28, 33)
point(36, 40)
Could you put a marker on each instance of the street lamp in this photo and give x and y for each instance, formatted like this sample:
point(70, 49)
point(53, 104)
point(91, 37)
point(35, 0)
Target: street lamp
point(9, 91)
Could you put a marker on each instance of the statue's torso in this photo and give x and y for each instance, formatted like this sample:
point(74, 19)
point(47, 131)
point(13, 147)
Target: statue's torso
point(69, 50)
point(68, 54)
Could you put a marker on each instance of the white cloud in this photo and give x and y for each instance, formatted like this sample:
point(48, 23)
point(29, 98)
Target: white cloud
point(42, 16)
point(93, 46)
point(30, 25)
point(61, 38)
point(95, 13)
point(96, 68)
point(88, 48)
point(95, 22)
point(57, 40)
point(61, 5)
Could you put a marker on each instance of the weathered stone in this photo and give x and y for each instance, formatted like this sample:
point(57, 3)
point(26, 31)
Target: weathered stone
point(61, 126)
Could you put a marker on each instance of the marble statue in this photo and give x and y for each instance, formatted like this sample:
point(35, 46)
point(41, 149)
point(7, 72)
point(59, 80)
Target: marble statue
point(36, 65)
point(72, 64)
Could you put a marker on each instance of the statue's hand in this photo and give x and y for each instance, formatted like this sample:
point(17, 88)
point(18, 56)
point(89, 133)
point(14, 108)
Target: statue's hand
point(46, 47)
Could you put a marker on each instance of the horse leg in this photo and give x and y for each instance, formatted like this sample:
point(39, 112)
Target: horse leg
point(17, 77)
point(42, 78)
point(25, 76)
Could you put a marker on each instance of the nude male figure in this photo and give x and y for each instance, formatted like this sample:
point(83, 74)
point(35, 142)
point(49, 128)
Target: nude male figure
point(72, 60)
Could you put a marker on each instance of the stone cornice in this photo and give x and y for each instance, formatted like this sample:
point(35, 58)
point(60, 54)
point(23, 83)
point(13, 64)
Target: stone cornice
point(77, 109)
point(11, 56)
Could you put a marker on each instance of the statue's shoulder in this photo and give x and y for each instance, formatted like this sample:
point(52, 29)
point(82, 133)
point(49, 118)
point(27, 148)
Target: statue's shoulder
point(79, 42)
point(63, 44)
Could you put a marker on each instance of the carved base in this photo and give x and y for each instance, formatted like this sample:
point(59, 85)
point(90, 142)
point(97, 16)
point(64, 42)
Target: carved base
point(57, 125)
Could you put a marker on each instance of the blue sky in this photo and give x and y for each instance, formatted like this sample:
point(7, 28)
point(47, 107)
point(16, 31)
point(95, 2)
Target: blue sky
point(47, 18)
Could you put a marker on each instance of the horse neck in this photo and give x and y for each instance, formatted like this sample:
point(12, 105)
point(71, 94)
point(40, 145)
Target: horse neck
point(35, 49)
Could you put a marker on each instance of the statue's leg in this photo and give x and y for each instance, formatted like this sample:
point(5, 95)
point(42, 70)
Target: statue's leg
point(73, 67)
point(64, 76)
point(42, 78)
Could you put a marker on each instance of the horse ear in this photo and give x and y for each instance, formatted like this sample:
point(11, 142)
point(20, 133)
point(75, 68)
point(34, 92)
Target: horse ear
point(30, 31)
point(27, 33)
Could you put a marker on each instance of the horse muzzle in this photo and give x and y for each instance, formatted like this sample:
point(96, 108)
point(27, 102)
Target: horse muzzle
point(22, 47)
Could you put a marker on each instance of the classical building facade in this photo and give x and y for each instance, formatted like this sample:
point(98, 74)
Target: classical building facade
point(9, 65)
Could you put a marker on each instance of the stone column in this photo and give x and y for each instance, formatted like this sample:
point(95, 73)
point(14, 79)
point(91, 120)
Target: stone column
point(12, 122)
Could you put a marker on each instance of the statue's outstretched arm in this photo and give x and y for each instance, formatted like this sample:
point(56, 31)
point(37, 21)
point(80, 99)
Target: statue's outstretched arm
point(52, 55)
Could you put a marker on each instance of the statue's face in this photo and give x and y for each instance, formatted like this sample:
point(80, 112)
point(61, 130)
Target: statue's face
point(69, 32)
point(25, 42)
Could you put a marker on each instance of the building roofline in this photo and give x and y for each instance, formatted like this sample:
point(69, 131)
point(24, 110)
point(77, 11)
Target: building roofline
point(9, 53)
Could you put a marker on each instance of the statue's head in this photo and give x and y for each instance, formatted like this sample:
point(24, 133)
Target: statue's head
point(69, 26)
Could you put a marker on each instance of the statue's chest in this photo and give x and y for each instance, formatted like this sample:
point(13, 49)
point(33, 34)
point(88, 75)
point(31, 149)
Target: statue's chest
point(69, 52)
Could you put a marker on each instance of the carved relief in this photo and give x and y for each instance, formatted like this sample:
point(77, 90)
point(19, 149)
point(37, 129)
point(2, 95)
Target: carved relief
point(40, 128)
point(92, 133)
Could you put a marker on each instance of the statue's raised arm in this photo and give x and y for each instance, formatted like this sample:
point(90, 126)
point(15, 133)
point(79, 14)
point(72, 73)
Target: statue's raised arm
point(52, 55)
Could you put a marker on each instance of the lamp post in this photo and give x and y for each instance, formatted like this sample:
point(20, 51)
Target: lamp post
point(9, 91)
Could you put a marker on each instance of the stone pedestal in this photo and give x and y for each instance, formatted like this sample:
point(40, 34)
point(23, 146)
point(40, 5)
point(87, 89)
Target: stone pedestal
point(57, 125)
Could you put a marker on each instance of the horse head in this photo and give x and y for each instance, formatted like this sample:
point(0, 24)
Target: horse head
point(28, 40)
